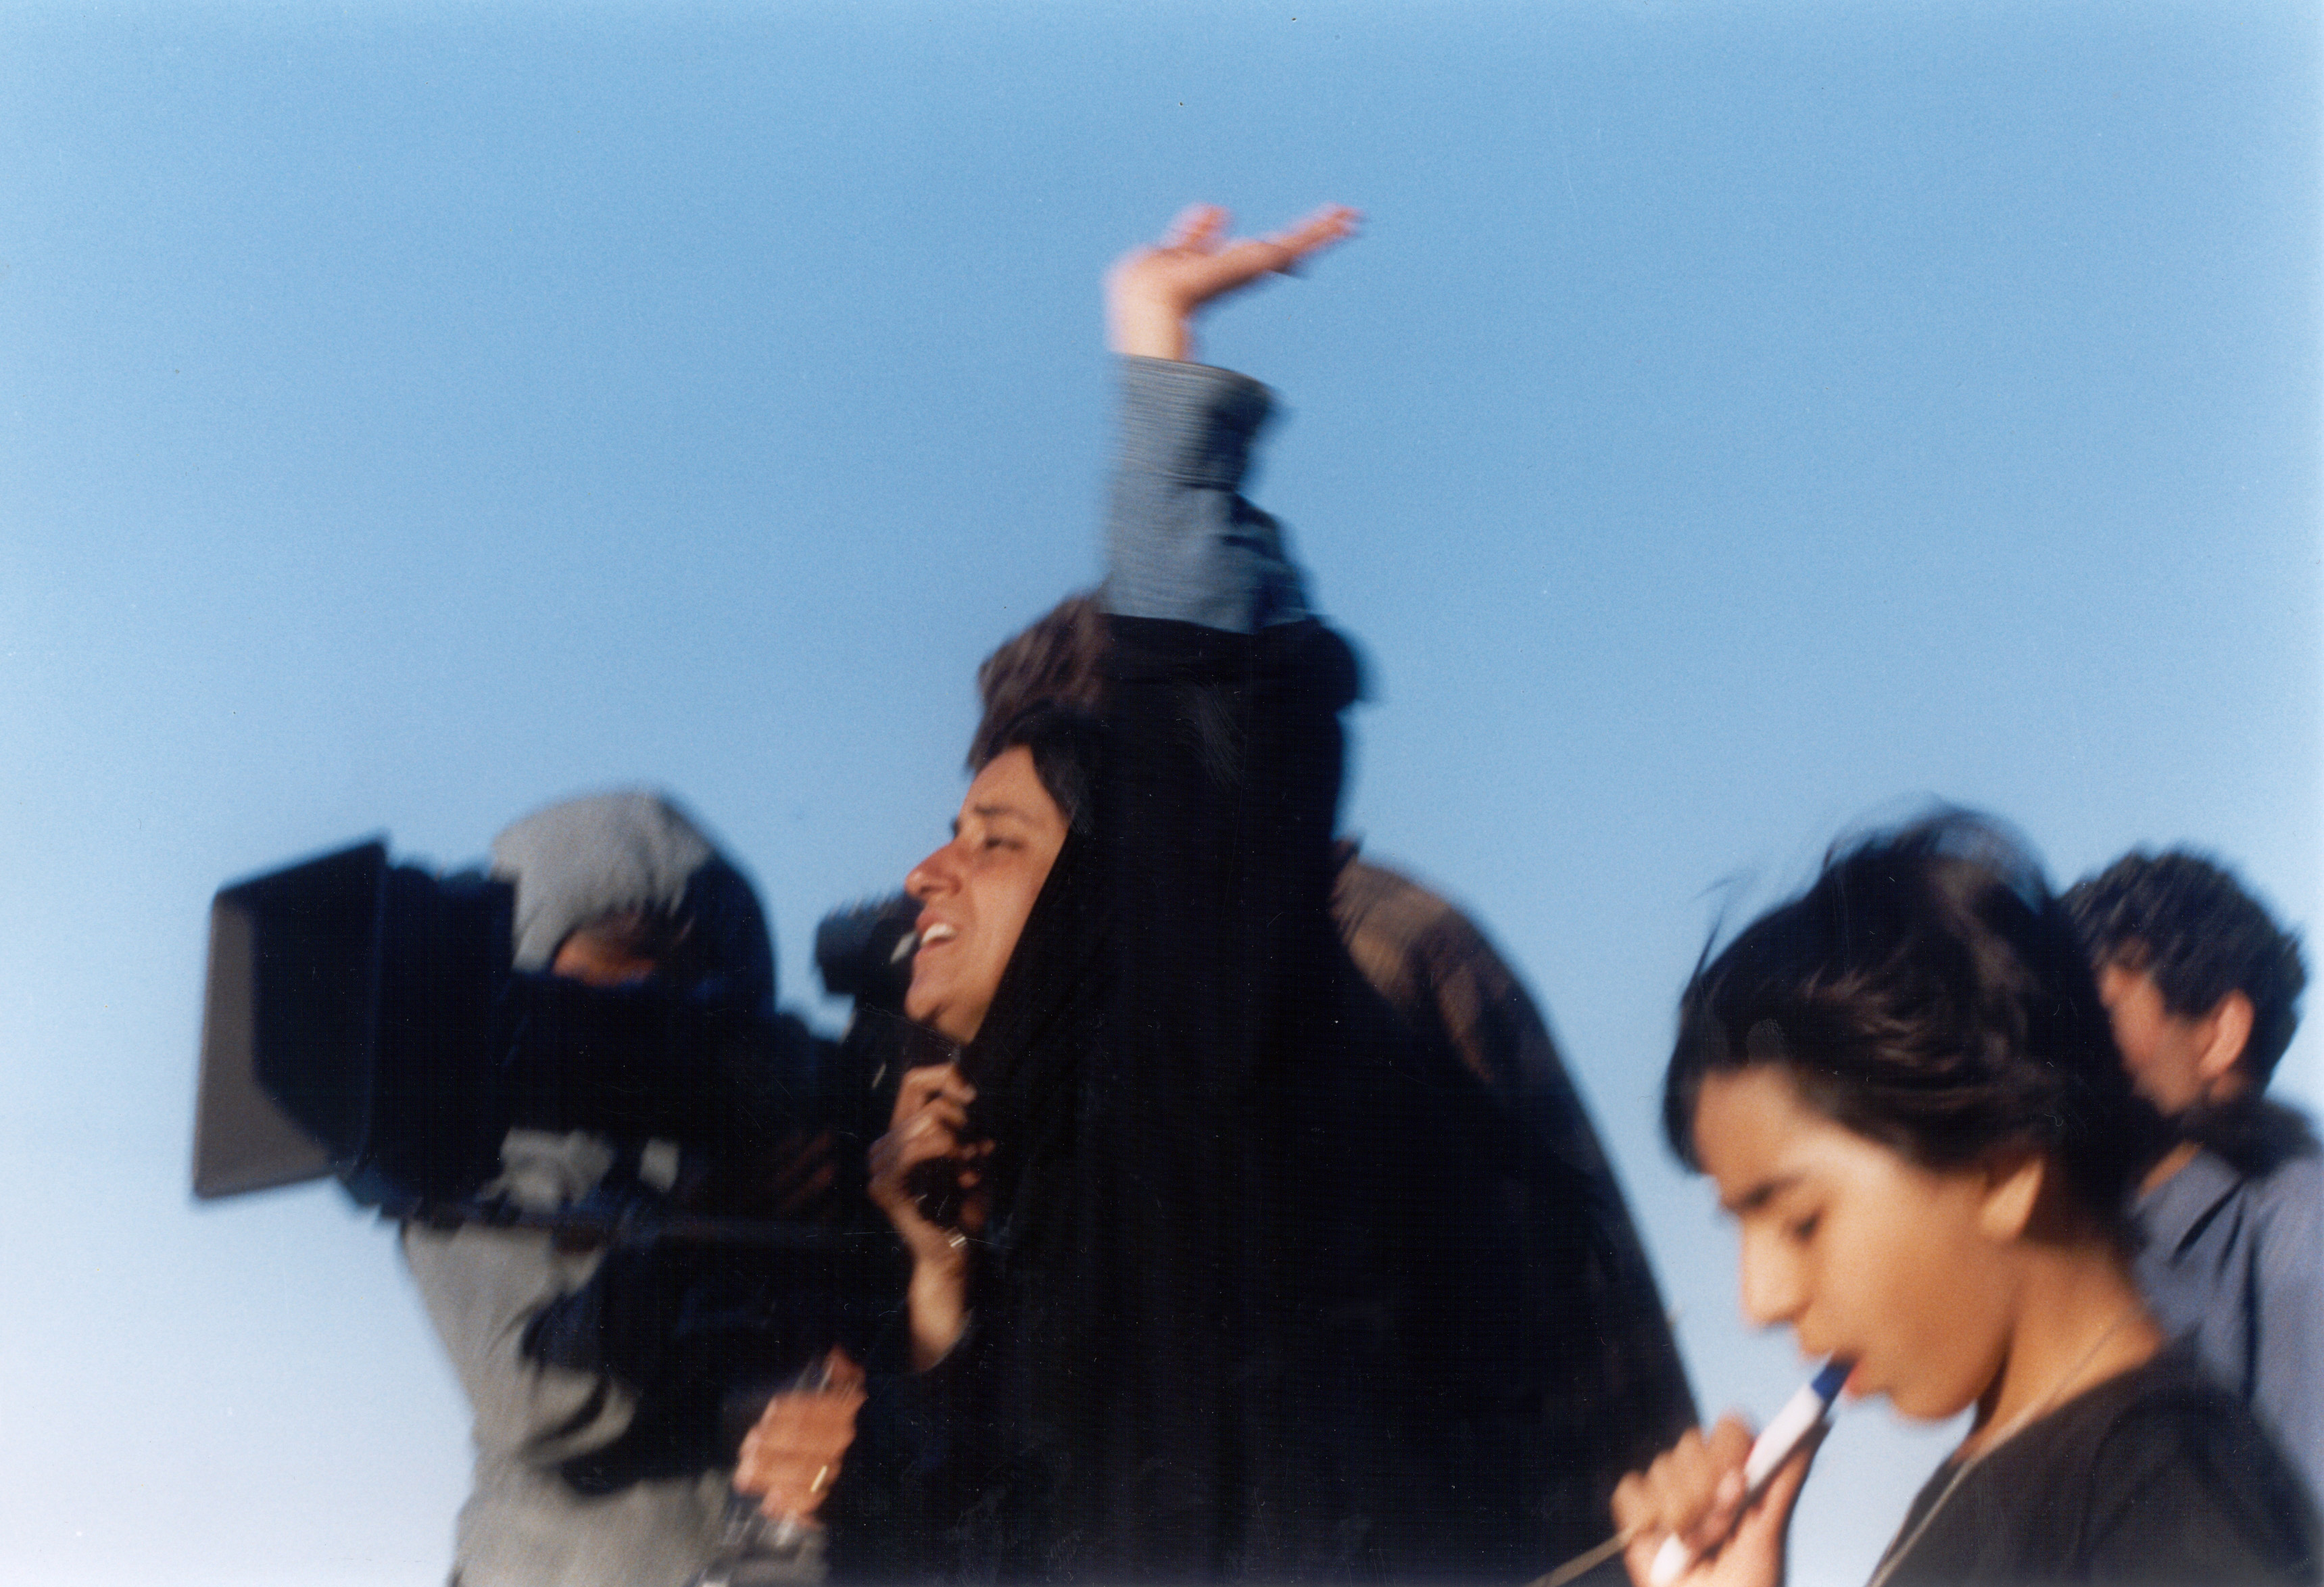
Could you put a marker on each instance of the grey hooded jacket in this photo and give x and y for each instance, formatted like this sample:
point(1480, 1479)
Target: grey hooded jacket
point(523, 1524)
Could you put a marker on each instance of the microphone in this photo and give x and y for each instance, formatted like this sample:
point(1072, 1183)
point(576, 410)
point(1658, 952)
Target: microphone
point(1802, 1415)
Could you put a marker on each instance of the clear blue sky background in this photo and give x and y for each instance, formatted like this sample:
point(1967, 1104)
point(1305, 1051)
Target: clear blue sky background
point(1739, 419)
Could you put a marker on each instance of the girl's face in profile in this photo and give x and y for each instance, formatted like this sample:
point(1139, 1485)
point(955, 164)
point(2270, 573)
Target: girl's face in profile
point(1866, 1255)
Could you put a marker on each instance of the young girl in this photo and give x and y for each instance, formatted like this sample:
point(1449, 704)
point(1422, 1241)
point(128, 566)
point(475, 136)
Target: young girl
point(1904, 1084)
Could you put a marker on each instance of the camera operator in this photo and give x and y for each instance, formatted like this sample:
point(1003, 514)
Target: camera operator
point(599, 1453)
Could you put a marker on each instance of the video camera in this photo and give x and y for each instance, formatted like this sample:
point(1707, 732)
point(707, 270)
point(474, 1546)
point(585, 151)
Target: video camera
point(364, 1020)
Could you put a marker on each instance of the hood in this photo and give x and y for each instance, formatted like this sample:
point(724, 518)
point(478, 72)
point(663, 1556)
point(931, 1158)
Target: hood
point(584, 859)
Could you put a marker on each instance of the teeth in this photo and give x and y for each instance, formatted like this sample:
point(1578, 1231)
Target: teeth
point(936, 934)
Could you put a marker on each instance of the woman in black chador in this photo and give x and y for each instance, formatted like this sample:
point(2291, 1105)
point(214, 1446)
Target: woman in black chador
point(1215, 1275)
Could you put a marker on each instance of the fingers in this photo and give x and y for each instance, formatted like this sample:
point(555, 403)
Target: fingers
point(1763, 1526)
point(1196, 227)
point(938, 1113)
point(927, 1082)
point(940, 1130)
point(1331, 224)
point(930, 1121)
point(1729, 1443)
point(918, 1200)
point(793, 1454)
point(842, 1370)
point(1693, 1491)
point(1153, 292)
point(1210, 267)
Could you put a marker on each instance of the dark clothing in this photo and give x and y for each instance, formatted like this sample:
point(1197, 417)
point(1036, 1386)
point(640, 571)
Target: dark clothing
point(2157, 1475)
point(1250, 1304)
point(1617, 1393)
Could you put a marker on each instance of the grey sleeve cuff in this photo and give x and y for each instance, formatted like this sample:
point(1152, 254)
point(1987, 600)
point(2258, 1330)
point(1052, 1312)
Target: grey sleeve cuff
point(1181, 543)
point(1189, 422)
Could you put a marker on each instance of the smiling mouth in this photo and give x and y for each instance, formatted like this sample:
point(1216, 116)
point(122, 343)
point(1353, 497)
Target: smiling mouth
point(939, 932)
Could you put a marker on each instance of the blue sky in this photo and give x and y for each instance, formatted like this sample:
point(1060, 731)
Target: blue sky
point(1737, 422)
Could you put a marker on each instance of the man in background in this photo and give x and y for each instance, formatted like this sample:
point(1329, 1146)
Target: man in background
point(2203, 988)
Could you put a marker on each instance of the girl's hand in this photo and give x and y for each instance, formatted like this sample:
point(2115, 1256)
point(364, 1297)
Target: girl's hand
point(1152, 294)
point(1694, 1491)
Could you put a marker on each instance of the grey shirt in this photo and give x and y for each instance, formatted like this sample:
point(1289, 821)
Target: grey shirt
point(1181, 543)
point(523, 1524)
point(2236, 1263)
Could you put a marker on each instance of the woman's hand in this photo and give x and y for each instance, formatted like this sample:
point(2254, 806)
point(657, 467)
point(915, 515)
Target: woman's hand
point(927, 1139)
point(791, 1457)
point(1152, 294)
point(1695, 1492)
point(927, 1134)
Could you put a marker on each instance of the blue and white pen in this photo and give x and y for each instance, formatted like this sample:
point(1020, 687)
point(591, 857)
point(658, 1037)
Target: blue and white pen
point(1802, 1415)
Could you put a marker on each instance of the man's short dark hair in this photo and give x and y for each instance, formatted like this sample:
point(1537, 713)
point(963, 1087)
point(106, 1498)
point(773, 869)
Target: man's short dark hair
point(1044, 690)
point(1927, 992)
point(2185, 921)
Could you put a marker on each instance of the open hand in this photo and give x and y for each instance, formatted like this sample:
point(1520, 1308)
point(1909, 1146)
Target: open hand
point(1153, 292)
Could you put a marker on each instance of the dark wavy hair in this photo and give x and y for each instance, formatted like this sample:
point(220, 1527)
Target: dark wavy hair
point(1044, 690)
point(2186, 923)
point(1928, 992)
point(1067, 745)
point(1057, 658)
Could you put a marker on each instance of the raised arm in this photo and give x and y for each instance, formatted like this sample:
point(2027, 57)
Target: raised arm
point(1182, 544)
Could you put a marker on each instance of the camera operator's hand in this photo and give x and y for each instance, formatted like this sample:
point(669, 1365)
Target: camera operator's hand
point(927, 1139)
point(790, 1458)
point(806, 1172)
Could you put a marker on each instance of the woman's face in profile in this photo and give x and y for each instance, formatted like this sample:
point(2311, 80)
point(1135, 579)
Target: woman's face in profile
point(976, 891)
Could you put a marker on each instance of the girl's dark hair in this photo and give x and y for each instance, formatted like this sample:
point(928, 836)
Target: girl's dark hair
point(1928, 992)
